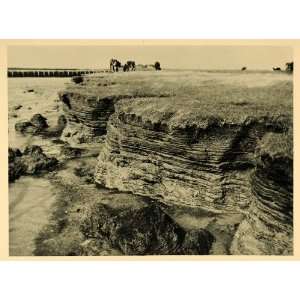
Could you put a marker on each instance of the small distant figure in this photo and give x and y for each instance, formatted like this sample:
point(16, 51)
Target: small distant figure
point(114, 65)
point(244, 68)
point(289, 67)
point(125, 68)
point(157, 66)
point(276, 69)
point(131, 65)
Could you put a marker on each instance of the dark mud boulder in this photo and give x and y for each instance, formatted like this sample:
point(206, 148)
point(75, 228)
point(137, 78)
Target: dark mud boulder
point(17, 107)
point(70, 152)
point(33, 150)
point(39, 121)
point(15, 170)
point(138, 227)
point(36, 125)
point(61, 122)
point(197, 242)
point(77, 79)
point(25, 127)
point(55, 131)
point(32, 161)
point(58, 142)
point(16, 167)
point(13, 153)
point(36, 161)
point(85, 172)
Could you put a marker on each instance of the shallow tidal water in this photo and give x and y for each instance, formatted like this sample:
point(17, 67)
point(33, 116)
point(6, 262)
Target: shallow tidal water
point(30, 198)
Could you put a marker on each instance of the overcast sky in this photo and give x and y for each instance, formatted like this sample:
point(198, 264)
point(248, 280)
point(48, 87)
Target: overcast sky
point(183, 57)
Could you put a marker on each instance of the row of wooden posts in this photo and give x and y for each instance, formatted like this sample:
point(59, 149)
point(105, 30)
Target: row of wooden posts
point(46, 73)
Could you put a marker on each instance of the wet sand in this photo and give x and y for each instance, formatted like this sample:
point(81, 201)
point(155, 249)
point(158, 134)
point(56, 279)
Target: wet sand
point(30, 201)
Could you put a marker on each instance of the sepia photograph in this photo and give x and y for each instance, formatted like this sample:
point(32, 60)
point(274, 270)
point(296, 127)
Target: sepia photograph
point(150, 150)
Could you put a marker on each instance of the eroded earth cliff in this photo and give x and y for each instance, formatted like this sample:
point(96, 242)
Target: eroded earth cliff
point(218, 142)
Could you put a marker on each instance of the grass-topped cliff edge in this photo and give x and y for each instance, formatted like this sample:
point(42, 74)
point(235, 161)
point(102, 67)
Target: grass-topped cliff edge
point(194, 99)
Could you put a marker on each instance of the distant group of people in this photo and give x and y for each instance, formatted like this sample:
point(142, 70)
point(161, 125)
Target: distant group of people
point(115, 65)
point(129, 66)
point(289, 68)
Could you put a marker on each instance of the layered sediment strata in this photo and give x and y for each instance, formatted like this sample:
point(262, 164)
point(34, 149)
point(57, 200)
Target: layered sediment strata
point(206, 165)
point(268, 227)
point(87, 117)
point(195, 146)
point(89, 104)
point(208, 159)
